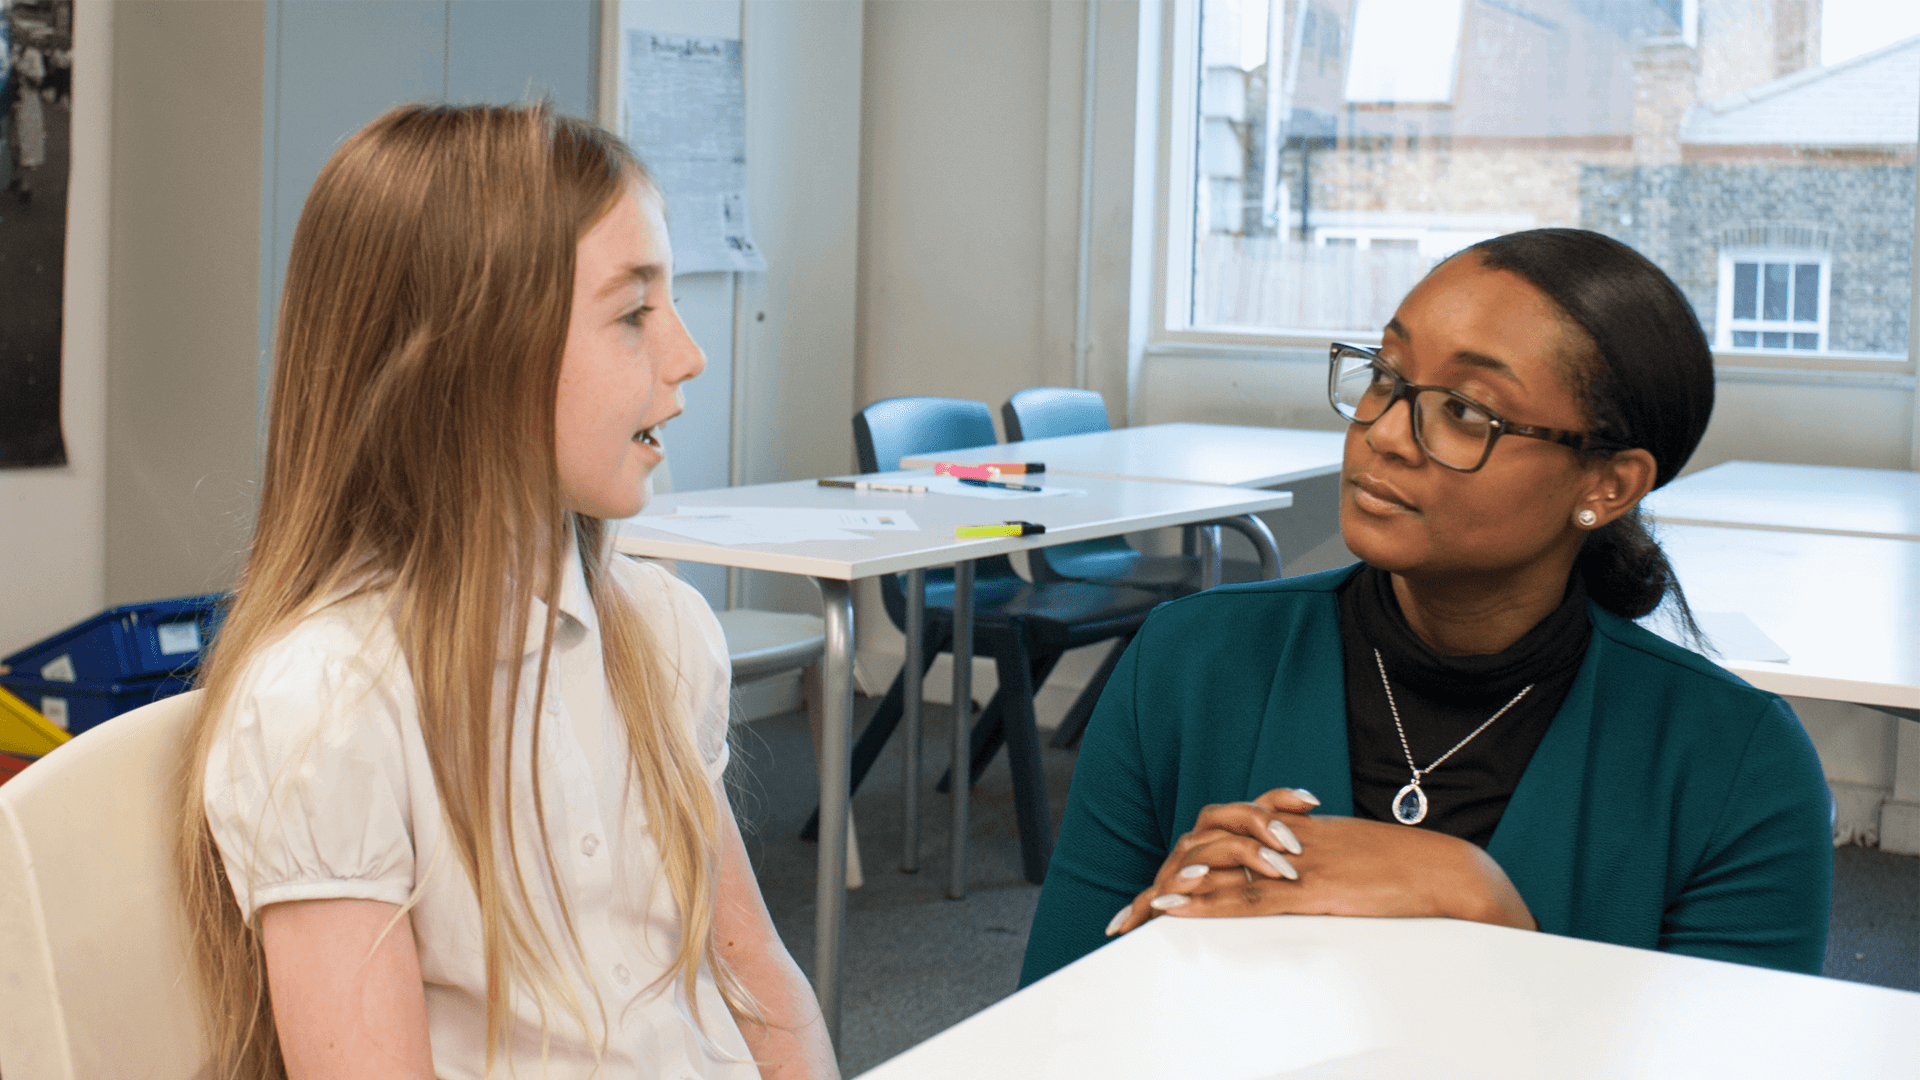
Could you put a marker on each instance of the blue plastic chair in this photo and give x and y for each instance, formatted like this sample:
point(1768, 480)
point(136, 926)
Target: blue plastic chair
point(1044, 412)
point(1024, 627)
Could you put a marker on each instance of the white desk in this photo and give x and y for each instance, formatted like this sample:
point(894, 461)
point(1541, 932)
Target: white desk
point(1108, 508)
point(1845, 608)
point(1796, 498)
point(1323, 998)
point(1252, 457)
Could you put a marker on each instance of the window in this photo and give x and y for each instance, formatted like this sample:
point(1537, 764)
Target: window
point(1772, 299)
point(1327, 153)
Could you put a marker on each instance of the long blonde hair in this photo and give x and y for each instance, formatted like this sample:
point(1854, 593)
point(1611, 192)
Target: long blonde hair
point(416, 368)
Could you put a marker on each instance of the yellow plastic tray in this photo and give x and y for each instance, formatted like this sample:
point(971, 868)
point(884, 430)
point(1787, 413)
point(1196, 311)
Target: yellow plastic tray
point(23, 730)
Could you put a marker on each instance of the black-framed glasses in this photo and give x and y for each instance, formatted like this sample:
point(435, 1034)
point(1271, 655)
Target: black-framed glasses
point(1454, 430)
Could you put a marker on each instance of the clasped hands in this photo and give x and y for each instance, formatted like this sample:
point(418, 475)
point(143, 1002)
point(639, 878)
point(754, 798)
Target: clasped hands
point(1271, 857)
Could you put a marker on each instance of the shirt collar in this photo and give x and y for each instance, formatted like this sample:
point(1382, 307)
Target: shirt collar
point(577, 618)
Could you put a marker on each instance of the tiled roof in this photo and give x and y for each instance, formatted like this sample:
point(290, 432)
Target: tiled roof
point(1870, 100)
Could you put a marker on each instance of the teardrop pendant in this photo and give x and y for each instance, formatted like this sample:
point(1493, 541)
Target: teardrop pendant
point(1410, 805)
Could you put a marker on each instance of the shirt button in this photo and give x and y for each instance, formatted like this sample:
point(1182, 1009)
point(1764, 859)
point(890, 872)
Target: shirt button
point(589, 844)
point(620, 974)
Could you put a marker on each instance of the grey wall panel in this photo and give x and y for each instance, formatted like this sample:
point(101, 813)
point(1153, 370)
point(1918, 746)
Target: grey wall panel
point(333, 65)
point(505, 50)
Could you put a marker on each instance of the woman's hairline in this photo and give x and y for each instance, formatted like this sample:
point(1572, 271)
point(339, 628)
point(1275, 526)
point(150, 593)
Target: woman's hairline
point(1577, 359)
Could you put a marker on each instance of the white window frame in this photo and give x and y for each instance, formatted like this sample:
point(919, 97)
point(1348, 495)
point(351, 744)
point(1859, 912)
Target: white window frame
point(1723, 315)
point(1170, 330)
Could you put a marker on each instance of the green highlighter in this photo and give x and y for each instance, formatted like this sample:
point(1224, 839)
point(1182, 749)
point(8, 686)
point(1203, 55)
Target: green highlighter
point(1006, 528)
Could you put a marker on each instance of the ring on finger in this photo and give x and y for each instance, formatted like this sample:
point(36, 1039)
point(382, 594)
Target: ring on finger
point(1249, 874)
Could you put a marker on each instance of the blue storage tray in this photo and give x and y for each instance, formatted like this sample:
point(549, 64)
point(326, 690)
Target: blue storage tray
point(135, 641)
point(77, 706)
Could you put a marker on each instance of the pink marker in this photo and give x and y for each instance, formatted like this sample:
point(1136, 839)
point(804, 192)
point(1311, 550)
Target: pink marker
point(992, 470)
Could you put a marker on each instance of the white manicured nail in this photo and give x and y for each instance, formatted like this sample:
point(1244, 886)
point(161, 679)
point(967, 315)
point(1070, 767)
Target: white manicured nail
point(1167, 902)
point(1197, 870)
point(1113, 925)
point(1280, 864)
point(1284, 837)
point(1306, 796)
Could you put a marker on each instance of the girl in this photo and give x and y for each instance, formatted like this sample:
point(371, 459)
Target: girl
point(453, 805)
point(1499, 741)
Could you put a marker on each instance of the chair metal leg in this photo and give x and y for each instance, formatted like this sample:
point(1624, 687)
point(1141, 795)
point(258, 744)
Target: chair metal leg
point(1029, 775)
point(989, 732)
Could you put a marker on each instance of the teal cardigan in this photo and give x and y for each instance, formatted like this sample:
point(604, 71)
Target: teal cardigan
point(1670, 805)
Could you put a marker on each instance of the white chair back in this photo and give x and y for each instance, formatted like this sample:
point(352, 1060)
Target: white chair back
point(96, 978)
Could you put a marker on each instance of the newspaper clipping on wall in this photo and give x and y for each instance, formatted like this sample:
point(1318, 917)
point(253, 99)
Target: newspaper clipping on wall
point(686, 117)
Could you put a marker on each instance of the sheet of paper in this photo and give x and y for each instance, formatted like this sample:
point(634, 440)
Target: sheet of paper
point(1737, 638)
point(809, 517)
point(734, 525)
point(729, 531)
point(949, 485)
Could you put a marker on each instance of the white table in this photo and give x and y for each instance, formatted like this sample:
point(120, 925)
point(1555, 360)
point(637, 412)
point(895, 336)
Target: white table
point(1235, 456)
point(1846, 609)
point(1107, 508)
point(1320, 998)
point(1796, 498)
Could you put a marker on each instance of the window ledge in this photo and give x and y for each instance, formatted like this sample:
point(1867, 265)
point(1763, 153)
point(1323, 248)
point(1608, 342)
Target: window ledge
point(1808, 376)
point(1858, 371)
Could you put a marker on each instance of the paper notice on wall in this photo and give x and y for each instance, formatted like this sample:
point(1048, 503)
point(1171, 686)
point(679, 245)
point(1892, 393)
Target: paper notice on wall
point(686, 118)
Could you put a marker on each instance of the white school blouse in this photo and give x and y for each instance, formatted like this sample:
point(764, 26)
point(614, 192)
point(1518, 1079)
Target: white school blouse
point(318, 786)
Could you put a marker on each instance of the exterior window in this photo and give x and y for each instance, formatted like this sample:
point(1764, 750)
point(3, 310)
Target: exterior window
point(1773, 300)
point(1328, 153)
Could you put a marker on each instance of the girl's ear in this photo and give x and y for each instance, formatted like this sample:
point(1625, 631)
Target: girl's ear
point(1615, 485)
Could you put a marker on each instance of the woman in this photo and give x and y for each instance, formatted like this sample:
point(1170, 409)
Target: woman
point(452, 806)
point(1489, 734)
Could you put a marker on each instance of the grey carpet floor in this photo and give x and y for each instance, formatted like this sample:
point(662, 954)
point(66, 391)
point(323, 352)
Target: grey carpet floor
point(918, 963)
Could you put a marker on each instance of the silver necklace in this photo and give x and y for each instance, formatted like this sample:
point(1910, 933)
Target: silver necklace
point(1410, 803)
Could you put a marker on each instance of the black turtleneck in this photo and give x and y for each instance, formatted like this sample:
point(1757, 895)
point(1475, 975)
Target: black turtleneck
point(1443, 698)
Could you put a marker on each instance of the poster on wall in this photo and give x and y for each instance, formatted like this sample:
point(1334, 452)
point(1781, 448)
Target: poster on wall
point(686, 117)
point(36, 108)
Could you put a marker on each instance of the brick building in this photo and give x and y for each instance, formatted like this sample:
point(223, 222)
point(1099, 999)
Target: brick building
point(1692, 132)
point(1788, 216)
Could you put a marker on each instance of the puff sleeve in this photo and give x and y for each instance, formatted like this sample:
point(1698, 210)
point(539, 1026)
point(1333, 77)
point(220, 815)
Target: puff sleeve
point(306, 787)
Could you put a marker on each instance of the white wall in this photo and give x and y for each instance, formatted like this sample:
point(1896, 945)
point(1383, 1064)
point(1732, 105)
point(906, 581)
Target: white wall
point(52, 521)
point(969, 228)
point(953, 227)
point(953, 208)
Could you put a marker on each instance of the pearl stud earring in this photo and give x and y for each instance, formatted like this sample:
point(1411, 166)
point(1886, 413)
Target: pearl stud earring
point(1586, 518)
